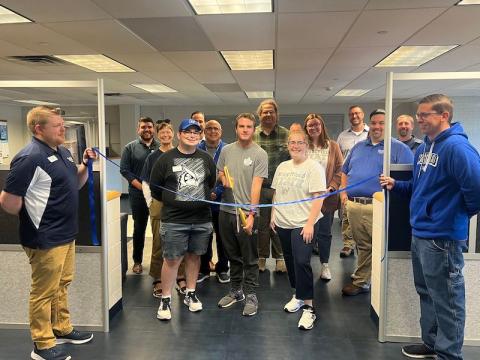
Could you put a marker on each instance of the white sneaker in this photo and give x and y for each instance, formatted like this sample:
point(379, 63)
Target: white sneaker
point(293, 305)
point(164, 312)
point(192, 302)
point(325, 274)
point(307, 319)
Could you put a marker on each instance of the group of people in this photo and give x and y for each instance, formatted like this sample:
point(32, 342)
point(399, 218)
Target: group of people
point(267, 164)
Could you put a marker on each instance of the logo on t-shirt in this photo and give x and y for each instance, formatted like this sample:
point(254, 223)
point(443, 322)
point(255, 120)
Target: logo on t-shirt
point(187, 178)
point(432, 159)
point(191, 178)
point(247, 162)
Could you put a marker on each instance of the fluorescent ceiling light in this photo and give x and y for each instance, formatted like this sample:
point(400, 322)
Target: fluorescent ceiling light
point(352, 92)
point(9, 17)
point(37, 102)
point(98, 63)
point(469, 2)
point(414, 55)
point(203, 7)
point(249, 60)
point(259, 94)
point(155, 88)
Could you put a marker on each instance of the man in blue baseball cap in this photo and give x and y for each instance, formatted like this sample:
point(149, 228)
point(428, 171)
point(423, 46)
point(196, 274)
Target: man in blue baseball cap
point(190, 175)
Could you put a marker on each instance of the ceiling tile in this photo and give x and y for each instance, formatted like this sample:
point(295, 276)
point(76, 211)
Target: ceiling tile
point(458, 25)
point(366, 28)
point(145, 8)
point(255, 80)
point(102, 36)
point(240, 32)
point(213, 77)
point(149, 62)
point(313, 30)
point(223, 88)
point(197, 60)
point(41, 39)
point(409, 4)
point(359, 56)
point(170, 34)
point(302, 58)
point(289, 6)
point(454, 60)
point(57, 10)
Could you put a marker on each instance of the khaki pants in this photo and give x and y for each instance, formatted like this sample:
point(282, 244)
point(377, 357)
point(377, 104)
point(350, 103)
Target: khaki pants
point(156, 260)
point(52, 272)
point(360, 219)
point(265, 233)
point(348, 240)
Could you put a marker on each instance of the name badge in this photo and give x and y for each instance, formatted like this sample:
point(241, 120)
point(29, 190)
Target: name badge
point(177, 168)
point(52, 158)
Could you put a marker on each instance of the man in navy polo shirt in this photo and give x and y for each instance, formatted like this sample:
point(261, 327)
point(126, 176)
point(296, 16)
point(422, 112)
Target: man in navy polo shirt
point(364, 161)
point(42, 189)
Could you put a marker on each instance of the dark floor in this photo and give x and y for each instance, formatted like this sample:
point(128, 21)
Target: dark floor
point(343, 329)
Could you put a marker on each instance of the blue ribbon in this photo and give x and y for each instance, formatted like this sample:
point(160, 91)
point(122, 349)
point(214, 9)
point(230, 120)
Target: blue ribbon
point(246, 205)
point(91, 203)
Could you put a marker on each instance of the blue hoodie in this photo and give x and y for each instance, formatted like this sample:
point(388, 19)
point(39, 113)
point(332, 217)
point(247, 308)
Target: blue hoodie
point(445, 187)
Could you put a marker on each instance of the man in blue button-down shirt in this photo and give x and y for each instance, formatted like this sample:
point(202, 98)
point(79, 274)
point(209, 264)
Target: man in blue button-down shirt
point(364, 161)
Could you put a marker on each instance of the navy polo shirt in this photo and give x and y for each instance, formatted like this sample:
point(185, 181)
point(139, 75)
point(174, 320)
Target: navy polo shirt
point(366, 160)
point(47, 180)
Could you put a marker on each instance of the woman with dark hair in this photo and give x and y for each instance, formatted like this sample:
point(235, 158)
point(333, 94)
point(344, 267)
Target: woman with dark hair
point(327, 152)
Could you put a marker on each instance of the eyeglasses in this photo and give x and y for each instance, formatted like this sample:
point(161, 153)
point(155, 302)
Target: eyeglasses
point(424, 115)
point(355, 113)
point(296, 142)
point(196, 133)
point(213, 129)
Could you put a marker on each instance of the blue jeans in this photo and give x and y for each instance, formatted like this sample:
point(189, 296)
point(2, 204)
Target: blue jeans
point(437, 272)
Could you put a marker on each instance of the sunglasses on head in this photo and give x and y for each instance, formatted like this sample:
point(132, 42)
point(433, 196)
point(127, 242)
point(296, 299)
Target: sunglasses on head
point(166, 121)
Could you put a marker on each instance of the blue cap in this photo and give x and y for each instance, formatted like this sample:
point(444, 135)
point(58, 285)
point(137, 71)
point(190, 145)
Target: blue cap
point(186, 123)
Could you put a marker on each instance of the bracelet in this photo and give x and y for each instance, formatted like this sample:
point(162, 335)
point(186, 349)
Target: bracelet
point(84, 163)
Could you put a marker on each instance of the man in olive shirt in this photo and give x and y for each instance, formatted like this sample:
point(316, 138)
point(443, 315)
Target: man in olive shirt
point(273, 139)
point(131, 166)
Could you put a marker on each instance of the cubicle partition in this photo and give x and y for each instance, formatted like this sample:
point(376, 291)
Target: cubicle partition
point(395, 305)
point(96, 292)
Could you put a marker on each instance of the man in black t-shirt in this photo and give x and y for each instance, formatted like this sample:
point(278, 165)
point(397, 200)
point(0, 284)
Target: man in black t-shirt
point(186, 225)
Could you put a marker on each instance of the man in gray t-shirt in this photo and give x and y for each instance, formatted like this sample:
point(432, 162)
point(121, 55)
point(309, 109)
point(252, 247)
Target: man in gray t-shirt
point(247, 165)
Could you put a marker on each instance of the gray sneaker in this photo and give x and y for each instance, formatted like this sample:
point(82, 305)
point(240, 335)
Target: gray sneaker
point(231, 298)
point(251, 305)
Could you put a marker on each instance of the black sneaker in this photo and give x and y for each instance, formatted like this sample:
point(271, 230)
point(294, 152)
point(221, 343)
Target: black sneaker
point(164, 311)
point(191, 300)
point(75, 337)
point(223, 278)
point(418, 351)
point(53, 353)
point(201, 277)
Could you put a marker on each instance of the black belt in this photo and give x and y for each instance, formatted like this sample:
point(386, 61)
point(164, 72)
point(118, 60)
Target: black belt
point(361, 200)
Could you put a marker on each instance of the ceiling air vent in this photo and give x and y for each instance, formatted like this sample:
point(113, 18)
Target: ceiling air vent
point(112, 94)
point(37, 59)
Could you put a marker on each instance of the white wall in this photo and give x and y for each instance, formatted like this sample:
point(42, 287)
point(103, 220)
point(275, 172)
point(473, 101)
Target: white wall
point(18, 134)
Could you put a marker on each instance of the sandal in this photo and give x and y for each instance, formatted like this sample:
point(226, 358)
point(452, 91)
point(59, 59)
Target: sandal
point(157, 289)
point(137, 268)
point(181, 289)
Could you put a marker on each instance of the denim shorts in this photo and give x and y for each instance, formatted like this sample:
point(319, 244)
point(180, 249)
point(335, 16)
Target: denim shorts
point(178, 239)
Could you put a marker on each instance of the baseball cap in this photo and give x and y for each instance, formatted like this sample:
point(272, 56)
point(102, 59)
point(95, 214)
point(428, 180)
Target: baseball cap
point(186, 123)
point(376, 112)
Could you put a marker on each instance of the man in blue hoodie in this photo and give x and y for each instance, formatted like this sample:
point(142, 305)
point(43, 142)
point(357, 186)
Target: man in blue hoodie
point(445, 193)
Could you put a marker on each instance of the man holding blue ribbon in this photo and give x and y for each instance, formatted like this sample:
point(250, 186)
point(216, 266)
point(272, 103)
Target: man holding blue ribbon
point(42, 190)
point(365, 160)
point(445, 193)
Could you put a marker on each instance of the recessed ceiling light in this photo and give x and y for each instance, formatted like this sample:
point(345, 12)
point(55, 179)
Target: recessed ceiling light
point(155, 88)
point(98, 63)
point(9, 17)
point(352, 92)
point(249, 60)
point(414, 55)
point(203, 7)
point(259, 94)
point(37, 102)
point(469, 2)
